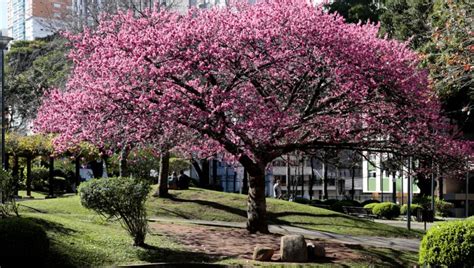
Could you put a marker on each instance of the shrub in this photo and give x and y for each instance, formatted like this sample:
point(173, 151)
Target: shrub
point(301, 200)
point(443, 208)
point(8, 205)
point(338, 206)
point(387, 210)
point(370, 201)
point(414, 209)
point(449, 244)
point(23, 243)
point(39, 178)
point(470, 218)
point(371, 206)
point(121, 198)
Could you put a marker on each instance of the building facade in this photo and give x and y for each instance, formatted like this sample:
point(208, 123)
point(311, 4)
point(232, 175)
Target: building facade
point(31, 19)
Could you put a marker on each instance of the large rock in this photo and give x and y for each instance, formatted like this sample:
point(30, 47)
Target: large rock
point(261, 253)
point(293, 248)
point(315, 251)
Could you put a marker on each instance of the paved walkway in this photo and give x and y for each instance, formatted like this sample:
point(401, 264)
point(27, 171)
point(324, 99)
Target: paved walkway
point(374, 241)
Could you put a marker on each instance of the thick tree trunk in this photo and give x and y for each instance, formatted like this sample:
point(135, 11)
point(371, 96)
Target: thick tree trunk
point(245, 183)
point(51, 177)
point(257, 206)
point(77, 168)
point(311, 179)
point(164, 170)
point(204, 179)
point(353, 183)
point(214, 172)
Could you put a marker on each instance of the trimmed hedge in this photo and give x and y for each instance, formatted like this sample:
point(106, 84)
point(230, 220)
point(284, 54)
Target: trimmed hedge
point(337, 206)
point(370, 201)
point(386, 210)
point(371, 206)
point(23, 243)
point(449, 244)
point(414, 209)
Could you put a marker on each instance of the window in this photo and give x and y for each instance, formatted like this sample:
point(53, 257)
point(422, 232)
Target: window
point(56, 5)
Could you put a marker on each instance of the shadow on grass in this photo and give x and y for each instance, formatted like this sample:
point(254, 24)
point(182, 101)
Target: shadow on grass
point(50, 226)
point(215, 205)
point(385, 257)
point(152, 254)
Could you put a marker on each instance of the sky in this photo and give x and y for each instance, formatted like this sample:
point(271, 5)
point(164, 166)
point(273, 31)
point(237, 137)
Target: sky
point(3, 14)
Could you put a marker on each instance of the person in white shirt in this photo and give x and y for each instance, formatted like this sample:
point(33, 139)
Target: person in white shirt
point(277, 193)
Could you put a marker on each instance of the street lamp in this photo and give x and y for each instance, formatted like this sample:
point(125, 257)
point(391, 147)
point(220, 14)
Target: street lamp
point(4, 40)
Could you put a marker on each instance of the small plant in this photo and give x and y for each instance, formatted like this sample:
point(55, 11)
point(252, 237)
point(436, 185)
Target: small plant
point(443, 208)
point(449, 244)
point(8, 205)
point(120, 198)
point(386, 210)
point(414, 209)
point(22, 242)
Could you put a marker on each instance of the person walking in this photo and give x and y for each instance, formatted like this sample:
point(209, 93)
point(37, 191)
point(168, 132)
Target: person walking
point(277, 192)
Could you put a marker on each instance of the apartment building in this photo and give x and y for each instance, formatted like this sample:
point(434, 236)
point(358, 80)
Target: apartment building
point(31, 19)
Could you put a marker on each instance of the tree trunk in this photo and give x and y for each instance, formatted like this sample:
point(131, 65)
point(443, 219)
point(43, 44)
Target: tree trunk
point(28, 176)
point(311, 180)
point(51, 177)
point(77, 168)
point(164, 170)
point(245, 183)
point(15, 174)
point(214, 172)
point(123, 167)
point(353, 183)
point(325, 181)
point(257, 206)
point(204, 180)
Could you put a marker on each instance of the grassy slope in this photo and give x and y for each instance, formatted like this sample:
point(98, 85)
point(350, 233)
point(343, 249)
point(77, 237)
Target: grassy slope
point(212, 205)
point(80, 238)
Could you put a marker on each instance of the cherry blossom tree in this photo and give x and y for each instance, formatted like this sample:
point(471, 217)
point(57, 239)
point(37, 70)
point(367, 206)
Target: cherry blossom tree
point(251, 81)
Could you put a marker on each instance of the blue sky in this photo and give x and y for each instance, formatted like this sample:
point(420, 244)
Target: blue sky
point(3, 13)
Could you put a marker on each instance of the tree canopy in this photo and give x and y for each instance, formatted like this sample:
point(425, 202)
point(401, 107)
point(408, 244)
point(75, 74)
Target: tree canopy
point(251, 81)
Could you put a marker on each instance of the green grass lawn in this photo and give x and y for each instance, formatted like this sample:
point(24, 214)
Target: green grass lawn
point(80, 238)
point(212, 205)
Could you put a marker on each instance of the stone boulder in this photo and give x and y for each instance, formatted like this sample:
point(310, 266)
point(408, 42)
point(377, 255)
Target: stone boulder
point(315, 251)
point(293, 248)
point(261, 253)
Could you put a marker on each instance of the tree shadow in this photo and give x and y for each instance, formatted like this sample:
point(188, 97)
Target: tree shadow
point(178, 257)
point(215, 205)
point(53, 226)
point(386, 257)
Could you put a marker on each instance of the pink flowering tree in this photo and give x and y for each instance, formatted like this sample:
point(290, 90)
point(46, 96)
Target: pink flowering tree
point(253, 82)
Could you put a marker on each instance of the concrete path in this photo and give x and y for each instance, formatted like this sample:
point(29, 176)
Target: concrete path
point(374, 241)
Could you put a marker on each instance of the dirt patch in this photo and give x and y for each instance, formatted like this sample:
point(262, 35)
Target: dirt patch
point(238, 243)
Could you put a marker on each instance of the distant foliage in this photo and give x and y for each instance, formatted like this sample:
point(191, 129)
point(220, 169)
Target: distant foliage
point(386, 210)
point(414, 209)
point(371, 206)
point(449, 244)
point(370, 201)
point(443, 208)
point(120, 198)
point(8, 205)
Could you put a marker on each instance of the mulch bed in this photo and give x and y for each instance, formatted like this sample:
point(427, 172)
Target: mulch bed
point(220, 243)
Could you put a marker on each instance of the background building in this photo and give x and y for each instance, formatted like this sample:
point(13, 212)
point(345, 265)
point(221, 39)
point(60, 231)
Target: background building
point(31, 19)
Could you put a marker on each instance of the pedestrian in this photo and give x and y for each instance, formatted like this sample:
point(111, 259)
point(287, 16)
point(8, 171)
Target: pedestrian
point(277, 192)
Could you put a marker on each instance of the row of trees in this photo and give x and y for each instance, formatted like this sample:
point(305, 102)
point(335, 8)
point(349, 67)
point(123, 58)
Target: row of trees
point(251, 82)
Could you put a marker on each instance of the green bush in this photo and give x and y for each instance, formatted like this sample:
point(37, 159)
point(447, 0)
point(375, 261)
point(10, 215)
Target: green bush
point(23, 243)
point(8, 205)
point(39, 178)
point(121, 198)
point(386, 210)
point(371, 206)
point(370, 201)
point(414, 209)
point(443, 208)
point(449, 244)
point(470, 218)
point(301, 200)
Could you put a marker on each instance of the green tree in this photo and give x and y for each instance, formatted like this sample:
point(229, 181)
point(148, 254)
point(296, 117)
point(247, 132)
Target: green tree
point(356, 10)
point(407, 20)
point(449, 57)
point(31, 68)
